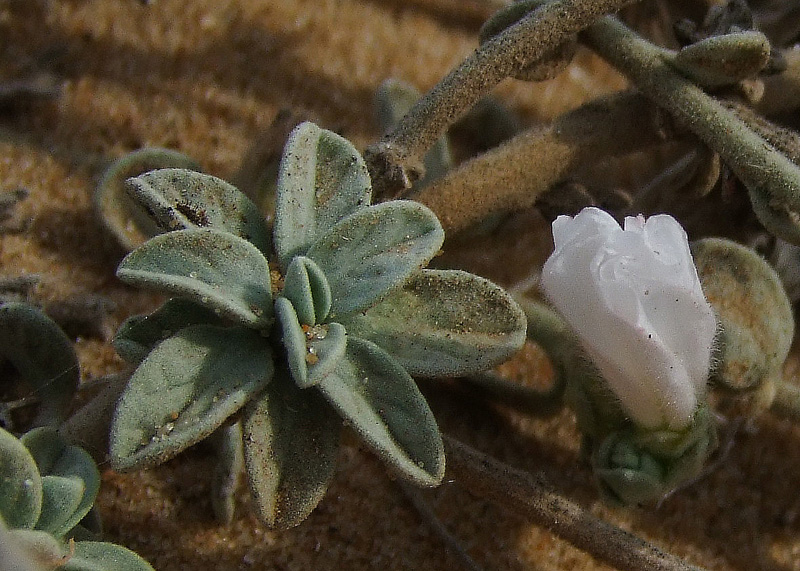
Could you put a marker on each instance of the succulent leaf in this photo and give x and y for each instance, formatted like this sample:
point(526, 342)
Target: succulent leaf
point(70, 480)
point(725, 59)
point(291, 440)
point(384, 406)
point(216, 269)
point(123, 216)
point(308, 290)
point(374, 251)
point(61, 498)
point(179, 199)
point(444, 323)
point(322, 179)
point(43, 356)
point(34, 550)
point(312, 351)
point(100, 556)
point(137, 335)
point(227, 444)
point(185, 389)
point(20, 484)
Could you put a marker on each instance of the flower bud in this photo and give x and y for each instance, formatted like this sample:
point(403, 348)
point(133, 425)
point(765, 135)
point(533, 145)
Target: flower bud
point(633, 298)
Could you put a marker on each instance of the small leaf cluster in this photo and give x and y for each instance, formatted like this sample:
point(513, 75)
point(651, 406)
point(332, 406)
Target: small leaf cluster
point(47, 493)
point(295, 330)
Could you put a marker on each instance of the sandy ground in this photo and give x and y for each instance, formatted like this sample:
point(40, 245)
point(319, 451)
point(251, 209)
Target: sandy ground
point(206, 77)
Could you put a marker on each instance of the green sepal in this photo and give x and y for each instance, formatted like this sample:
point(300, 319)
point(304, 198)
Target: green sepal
point(374, 251)
point(184, 390)
point(444, 323)
point(20, 484)
point(127, 220)
point(291, 440)
point(228, 466)
point(43, 356)
point(215, 269)
point(723, 60)
point(777, 217)
point(138, 334)
point(322, 179)
point(380, 401)
point(313, 352)
point(754, 312)
point(308, 290)
point(102, 556)
point(635, 466)
point(179, 199)
point(70, 480)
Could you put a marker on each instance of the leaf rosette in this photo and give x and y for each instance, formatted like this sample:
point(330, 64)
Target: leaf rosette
point(331, 331)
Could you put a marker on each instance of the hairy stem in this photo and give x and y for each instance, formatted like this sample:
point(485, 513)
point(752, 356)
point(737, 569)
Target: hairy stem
point(756, 163)
point(513, 175)
point(529, 497)
point(395, 161)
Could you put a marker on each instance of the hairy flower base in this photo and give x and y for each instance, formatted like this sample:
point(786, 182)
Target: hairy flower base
point(634, 466)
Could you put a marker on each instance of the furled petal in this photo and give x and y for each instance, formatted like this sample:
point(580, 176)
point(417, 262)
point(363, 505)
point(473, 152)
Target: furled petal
point(634, 299)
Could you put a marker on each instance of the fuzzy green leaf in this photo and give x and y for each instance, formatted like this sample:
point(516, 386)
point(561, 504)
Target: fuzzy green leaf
point(138, 335)
point(291, 439)
point(123, 216)
point(70, 480)
point(308, 290)
point(322, 179)
point(724, 59)
point(179, 199)
point(34, 550)
point(185, 389)
point(444, 323)
point(20, 484)
point(313, 352)
point(383, 405)
point(227, 444)
point(216, 269)
point(102, 556)
point(43, 356)
point(375, 250)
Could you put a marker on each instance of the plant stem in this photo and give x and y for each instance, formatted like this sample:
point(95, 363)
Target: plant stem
point(395, 161)
point(513, 175)
point(757, 164)
point(529, 497)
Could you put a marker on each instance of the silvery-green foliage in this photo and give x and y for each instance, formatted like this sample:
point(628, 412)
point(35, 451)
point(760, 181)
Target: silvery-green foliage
point(45, 363)
point(120, 213)
point(47, 489)
point(329, 332)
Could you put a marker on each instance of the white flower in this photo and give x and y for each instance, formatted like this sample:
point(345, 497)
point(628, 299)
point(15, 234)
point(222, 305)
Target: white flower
point(634, 300)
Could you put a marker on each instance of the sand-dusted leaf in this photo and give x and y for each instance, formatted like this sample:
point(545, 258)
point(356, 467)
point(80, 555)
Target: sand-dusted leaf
point(228, 467)
point(312, 351)
point(102, 556)
point(185, 389)
point(20, 484)
point(374, 251)
point(444, 323)
point(137, 335)
point(724, 59)
point(43, 356)
point(178, 199)
point(216, 269)
point(124, 217)
point(70, 480)
point(291, 439)
point(382, 404)
point(32, 550)
point(308, 290)
point(322, 179)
